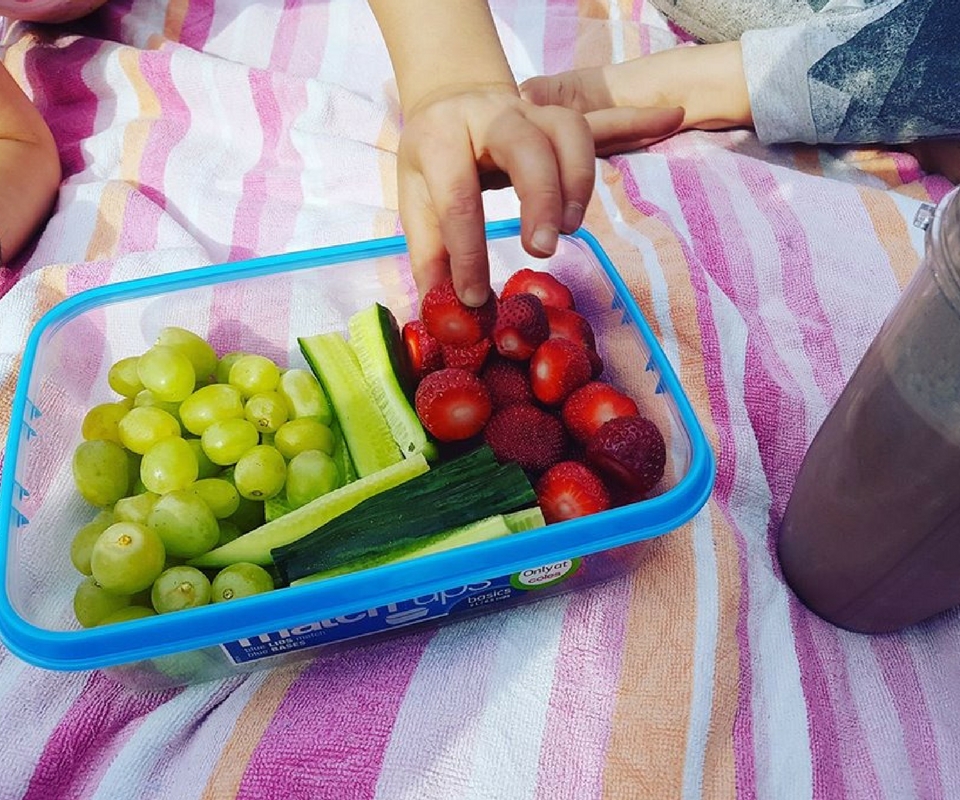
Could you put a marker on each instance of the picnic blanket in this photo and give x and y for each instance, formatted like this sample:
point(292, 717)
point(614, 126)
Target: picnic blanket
point(194, 133)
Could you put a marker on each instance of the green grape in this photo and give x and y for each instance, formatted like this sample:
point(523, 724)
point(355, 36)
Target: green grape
point(228, 531)
point(101, 471)
point(198, 350)
point(167, 373)
point(127, 614)
point(240, 580)
point(260, 473)
point(184, 523)
point(253, 374)
point(180, 588)
point(304, 433)
point(146, 398)
point(310, 474)
point(91, 602)
point(144, 426)
point(209, 404)
point(224, 442)
point(169, 465)
point(102, 421)
point(135, 508)
point(83, 540)
point(226, 364)
point(220, 495)
point(122, 377)
point(205, 467)
point(267, 411)
point(304, 395)
point(127, 558)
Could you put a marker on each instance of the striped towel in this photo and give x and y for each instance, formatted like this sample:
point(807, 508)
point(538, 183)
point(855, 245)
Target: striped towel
point(193, 135)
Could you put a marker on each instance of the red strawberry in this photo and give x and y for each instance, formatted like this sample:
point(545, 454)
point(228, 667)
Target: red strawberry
point(452, 404)
point(568, 324)
point(521, 326)
point(542, 284)
point(425, 355)
point(451, 322)
point(528, 435)
point(571, 489)
point(557, 368)
point(507, 381)
point(594, 403)
point(470, 358)
point(565, 323)
point(628, 451)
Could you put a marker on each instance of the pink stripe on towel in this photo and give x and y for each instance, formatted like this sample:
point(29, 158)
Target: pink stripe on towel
point(328, 737)
point(88, 736)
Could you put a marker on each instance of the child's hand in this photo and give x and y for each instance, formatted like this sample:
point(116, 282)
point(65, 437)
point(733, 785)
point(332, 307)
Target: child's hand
point(705, 81)
point(471, 138)
point(466, 129)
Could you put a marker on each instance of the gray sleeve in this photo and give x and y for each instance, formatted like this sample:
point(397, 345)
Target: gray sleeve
point(885, 71)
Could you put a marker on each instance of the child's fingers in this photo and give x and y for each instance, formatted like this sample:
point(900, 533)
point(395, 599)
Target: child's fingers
point(574, 153)
point(525, 152)
point(454, 190)
point(428, 255)
point(618, 129)
point(582, 90)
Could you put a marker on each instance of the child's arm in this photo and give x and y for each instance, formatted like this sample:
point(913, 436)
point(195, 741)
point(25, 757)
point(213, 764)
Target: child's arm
point(707, 81)
point(878, 74)
point(29, 168)
point(466, 129)
point(465, 126)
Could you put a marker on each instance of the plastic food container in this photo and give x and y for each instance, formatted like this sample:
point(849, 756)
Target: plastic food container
point(262, 306)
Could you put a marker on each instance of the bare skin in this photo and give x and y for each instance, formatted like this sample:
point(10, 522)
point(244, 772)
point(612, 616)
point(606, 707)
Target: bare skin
point(30, 171)
point(29, 168)
point(467, 128)
point(706, 80)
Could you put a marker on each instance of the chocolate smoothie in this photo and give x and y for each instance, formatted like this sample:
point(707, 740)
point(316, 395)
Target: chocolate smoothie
point(870, 540)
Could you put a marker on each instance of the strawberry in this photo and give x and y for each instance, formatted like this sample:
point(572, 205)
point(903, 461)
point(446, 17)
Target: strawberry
point(424, 352)
point(521, 326)
point(570, 489)
point(452, 404)
point(526, 434)
point(628, 451)
point(564, 323)
point(594, 403)
point(542, 284)
point(471, 358)
point(507, 381)
point(451, 322)
point(557, 368)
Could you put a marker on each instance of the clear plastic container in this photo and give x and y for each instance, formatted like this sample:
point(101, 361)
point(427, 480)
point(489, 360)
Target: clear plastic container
point(262, 306)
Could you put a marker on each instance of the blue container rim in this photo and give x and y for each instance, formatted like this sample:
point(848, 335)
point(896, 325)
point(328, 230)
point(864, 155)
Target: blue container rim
point(153, 637)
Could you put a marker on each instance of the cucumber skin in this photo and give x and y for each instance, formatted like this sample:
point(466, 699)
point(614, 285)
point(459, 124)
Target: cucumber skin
point(375, 338)
point(389, 524)
point(483, 530)
point(364, 429)
point(255, 546)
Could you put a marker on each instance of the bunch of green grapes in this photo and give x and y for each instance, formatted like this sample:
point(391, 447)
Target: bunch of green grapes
point(190, 455)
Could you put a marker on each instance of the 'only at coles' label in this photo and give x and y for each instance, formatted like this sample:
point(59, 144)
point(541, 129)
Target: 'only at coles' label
point(447, 603)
